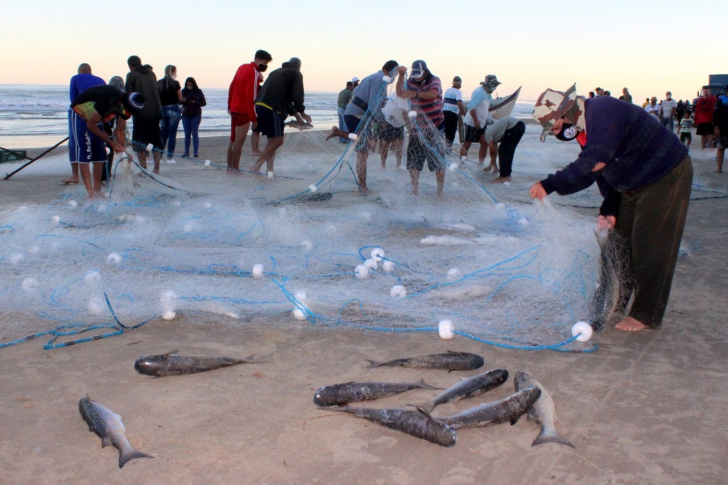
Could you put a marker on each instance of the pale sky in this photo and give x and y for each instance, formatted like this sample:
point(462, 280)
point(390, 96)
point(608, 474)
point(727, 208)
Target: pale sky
point(648, 46)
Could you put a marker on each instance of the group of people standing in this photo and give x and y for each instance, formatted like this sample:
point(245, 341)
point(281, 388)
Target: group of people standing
point(156, 107)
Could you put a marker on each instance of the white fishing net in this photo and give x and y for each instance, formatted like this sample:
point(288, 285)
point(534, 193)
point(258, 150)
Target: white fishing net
point(305, 247)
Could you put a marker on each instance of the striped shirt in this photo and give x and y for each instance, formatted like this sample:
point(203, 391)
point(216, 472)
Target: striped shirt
point(432, 108)
point(452, 96)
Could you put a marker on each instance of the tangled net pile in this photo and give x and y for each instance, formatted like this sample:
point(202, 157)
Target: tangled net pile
point(303, 247)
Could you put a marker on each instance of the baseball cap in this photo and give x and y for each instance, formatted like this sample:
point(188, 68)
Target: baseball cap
point(355, 79)
point(491, 81)
point(419, 69)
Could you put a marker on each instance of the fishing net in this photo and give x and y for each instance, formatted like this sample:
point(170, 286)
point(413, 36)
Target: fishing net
point(303, 245)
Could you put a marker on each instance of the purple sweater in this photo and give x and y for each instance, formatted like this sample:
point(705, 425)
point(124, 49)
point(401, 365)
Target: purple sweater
point(635, 147)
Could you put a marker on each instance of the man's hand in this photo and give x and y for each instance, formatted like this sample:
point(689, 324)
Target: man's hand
point(117, 147)
point(401, 69)
point(306, 117)
point(537, 191)
point(605, 223)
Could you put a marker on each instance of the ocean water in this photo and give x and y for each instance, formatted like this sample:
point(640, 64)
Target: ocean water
point(37, 115)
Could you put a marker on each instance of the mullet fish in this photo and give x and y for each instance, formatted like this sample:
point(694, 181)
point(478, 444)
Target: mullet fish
point(108, 426)
point(471, 387)
point(543, 411)
point(347, 392)
point(450, 361)
point(503, 411)
point(414, 423)
point(174, 365)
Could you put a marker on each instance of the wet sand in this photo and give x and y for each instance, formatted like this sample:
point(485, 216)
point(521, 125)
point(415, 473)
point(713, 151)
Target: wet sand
point(644, 408)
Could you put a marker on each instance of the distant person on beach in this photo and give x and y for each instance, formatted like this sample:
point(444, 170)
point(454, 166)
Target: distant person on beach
point(424, 90)
point(453, 109)
point(344, 99)
point(704, 118)
point(599, 91)
point(83, 80)
point(282, 94)
point(502, 138)
point(679, 112)
point(668, 108)
point(647, 101)
point(477, 118)
point(355, 81)
point(241, 105)
point(92, 108)
point(644, 174)
point(366, 98)
point(625, 95)
point(170, 95)
point(720, 122)
point(653, 109)
point(686, 125)
point(591, 94)
point(607, 93)
point(146, 131)
point(193, 100)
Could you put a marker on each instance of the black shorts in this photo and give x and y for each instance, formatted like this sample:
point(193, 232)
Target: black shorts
point(704, 129)
point(686, 135)
point(270, 123)
point(473, 134)
point(391, 133)
point(418, 151)
point(144, 132)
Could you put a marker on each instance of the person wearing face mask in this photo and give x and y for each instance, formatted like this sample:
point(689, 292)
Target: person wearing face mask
point(424, 92)
point(170, 95)
point(193, 100)
point(644, 174)
point(241, 105)
point(668, 107)
point(477, 117)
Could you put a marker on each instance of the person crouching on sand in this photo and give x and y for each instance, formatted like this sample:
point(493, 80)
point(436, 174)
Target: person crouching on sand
point(92, 108)
point(644, 174)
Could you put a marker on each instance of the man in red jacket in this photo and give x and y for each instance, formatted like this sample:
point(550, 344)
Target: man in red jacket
point(704, 118)
point(241, 105)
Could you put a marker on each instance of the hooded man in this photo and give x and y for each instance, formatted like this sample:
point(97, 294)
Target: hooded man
point(146, 130)
point(644, 174)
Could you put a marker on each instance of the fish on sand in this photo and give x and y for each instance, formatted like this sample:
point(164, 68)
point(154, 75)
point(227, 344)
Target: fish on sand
point(471, 387)
point(414, 423)
point(109, 427)
point(543, 412)
point(507, 410)
point(450, 361)
point(170, 364)
point(338, 394)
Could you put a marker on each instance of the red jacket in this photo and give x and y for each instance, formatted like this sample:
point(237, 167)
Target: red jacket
point(704, 109)
point(243, 91)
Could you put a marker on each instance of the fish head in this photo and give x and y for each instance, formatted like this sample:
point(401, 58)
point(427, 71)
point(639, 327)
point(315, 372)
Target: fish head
point(149, 364)
point(523, 379)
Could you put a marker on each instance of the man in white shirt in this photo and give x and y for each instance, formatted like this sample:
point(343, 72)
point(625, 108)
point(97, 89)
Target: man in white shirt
point(667, 111)
point(653, 108)
point(477, 117)
point(453, 109)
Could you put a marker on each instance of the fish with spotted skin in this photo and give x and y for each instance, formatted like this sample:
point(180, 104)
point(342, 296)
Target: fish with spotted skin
point(347, 392)
point(450, 361)
point(543, 412)
point(507, 410)
point(414, 423)
point(471, 387)
point(170, 364)
point(108, 426)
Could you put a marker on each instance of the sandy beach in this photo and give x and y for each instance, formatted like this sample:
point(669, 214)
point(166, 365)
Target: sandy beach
point(644, 408)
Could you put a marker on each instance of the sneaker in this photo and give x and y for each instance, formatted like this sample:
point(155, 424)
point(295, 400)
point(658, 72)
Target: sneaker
point(196, 155)
point(186, 155)
point(171, 161)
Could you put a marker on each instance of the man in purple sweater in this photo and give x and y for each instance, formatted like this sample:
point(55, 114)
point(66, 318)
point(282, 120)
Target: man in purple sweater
point(644, 174)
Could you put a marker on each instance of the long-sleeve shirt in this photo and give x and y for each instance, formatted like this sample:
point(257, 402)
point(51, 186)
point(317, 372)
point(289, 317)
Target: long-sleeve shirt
point(190, 109)
point(635, 148)
point(283, 91)
point(142, 80)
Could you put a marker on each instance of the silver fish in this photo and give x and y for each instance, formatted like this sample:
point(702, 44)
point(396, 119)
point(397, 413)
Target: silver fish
point(503, 411)
point(471, 387)
point(297, 124)
point(450, 361)
point(543, 411)
point(347, 392)
point(108, 426)
point(174, 365)
point(414, 423)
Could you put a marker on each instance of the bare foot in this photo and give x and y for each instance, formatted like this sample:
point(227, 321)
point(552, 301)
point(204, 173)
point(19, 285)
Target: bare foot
point(719, 171)
point(488, 168)
point(364, 190)
point(629, 324)
point(70, 181)
point(256, 153)
point(501, 180)
point(334, 132)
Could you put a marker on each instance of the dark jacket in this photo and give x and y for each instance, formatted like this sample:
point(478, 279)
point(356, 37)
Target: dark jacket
point(635, 147)
point(142, 80)
point(720, 115)
point(190, 109)
point(283, 91)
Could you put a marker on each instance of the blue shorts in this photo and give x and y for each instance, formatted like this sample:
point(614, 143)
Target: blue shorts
point(270, 123)
point(84, 146)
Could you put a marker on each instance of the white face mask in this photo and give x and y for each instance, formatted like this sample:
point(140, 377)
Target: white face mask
point(174, 77)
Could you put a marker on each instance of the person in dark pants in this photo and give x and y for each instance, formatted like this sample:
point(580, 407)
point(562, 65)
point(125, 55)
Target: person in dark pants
point(453, 109)
point(644, 174)
point(146, 130)
point(193, 100)
point(502, 138)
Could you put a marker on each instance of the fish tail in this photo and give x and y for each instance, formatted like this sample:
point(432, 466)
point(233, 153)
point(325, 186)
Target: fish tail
point(422, 385)
point(129, 454)
point(251, 360)
point(425, 408)
point(372, 363)
point(551, 437)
